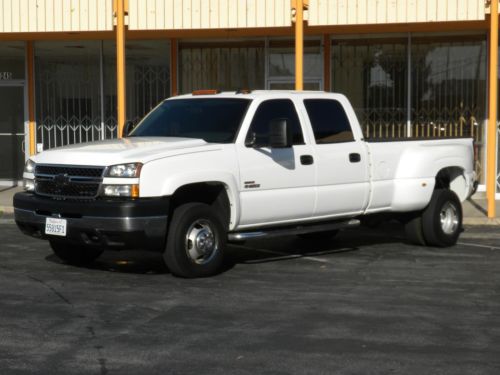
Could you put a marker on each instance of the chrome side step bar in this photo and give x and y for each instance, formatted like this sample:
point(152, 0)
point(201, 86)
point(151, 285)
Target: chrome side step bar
point(288, 231)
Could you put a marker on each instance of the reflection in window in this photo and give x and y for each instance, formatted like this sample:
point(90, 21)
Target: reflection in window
point(329, 121)
point(270, 111)
point(12, 60)
point(449, 86)
point(282, 59)
point(147, 79)
point(373, 75)
point(67, 92)
point(449, 90)
point(225, 66)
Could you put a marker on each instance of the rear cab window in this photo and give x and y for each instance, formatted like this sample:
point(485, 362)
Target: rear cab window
point(329, 121)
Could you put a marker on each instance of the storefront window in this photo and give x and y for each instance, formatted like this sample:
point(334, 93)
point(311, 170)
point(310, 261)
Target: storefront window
point(67, 92)
point(12, 61)
point(448, 86)
point(147, 79)
point(372, 73)
point(449, 89)
point(281, 74)
point(225, 66)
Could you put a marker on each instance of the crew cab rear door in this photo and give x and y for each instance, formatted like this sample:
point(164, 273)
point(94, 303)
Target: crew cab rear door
point(276, 184)
point(340, 156)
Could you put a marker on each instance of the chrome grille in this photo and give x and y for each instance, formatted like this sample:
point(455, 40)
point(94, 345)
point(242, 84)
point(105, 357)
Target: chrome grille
point(62, 181)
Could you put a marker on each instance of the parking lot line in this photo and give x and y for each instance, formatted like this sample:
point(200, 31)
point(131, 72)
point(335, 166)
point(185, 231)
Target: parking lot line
point(283, 256)
point(479, 245)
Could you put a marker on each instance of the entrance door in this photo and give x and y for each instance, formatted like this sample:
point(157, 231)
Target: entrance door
point(11, 132)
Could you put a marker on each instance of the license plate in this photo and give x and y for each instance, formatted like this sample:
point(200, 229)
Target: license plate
point(55, 227)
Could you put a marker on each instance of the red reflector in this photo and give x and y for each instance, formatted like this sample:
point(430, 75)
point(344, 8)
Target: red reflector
point(205, 92)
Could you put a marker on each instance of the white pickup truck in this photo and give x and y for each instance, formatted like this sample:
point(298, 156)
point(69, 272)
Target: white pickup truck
point(207, 168)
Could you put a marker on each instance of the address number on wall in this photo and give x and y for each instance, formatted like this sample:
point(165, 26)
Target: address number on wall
point(5, 76)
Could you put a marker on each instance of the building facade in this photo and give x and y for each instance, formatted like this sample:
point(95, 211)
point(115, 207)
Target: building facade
point(74, 70)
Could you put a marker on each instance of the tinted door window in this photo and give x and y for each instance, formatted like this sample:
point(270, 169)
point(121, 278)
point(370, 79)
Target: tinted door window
point(329, 121)
point(269, 111)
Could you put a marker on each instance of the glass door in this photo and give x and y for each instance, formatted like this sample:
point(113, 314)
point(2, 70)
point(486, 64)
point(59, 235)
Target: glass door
point(11, 132)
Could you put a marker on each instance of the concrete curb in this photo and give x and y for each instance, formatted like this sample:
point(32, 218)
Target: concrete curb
point(6, 210)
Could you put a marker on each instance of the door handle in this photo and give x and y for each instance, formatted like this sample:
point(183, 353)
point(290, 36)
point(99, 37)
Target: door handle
point(306, 159)
point(354, 157)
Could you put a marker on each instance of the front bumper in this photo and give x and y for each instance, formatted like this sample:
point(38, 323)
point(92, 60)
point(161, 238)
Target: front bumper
point(106, 224)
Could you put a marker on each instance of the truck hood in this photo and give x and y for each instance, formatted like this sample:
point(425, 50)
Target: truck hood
point(126, 150)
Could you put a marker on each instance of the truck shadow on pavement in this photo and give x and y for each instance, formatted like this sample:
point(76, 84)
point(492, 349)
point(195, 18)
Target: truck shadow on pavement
point(133, 262)
point(255, 251)
point(292, 247)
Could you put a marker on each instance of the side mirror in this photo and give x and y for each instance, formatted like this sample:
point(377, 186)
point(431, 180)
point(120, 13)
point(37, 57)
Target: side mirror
point(251, 140)
point(127, 128)
point(279, 135)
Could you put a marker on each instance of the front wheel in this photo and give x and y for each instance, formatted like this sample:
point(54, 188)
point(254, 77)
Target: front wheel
point(196, 241)
point(442, 219)
point(74, 254)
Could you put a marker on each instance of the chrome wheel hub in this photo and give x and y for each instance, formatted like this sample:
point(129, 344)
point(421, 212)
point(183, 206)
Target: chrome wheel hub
point(201, 242)
point(449, 218)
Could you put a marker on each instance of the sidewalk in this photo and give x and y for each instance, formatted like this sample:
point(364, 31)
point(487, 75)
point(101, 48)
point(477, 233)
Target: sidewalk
point(474, 208)
point(6, 194)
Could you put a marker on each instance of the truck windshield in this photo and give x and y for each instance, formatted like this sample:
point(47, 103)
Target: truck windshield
point(214, 120)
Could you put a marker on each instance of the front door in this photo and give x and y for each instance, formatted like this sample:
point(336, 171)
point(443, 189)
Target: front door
point(11, 132)
point(277, 183)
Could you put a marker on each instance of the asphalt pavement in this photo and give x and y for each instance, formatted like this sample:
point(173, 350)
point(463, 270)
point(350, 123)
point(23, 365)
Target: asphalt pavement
point(366, 303)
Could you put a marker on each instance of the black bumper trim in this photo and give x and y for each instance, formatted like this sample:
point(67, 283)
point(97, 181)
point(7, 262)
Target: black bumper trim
point(110, 224)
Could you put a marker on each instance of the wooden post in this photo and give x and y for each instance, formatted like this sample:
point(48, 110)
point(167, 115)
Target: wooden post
point(299, 45)
point(173, 68)
point(120, 65)
point(491, 172)
point(30, 56)
point(327, 63)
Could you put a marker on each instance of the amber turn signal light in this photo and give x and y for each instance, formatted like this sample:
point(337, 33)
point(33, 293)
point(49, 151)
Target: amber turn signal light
point(205, 92)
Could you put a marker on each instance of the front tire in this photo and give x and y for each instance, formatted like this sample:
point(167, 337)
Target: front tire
point(442, 219)
point(74, 254)
point(196, 241)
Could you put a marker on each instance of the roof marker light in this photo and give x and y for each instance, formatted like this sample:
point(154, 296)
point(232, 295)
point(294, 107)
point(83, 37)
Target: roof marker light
point(205, 92)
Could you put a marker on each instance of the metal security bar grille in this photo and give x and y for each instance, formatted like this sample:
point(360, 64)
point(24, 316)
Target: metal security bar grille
point(67, 93)
point(148, 86)
point(419, 87)
point(147, 80)
point(374, 77)
point(448, 89)
point(76, 88)
point(223, 66)
point(67, 104)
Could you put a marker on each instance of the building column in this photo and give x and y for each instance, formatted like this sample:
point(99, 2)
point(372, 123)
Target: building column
point(298, 18)
point(174, 90)
point(120, 65)
point(327, 55)
point(491, 171)
point(30, 57)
